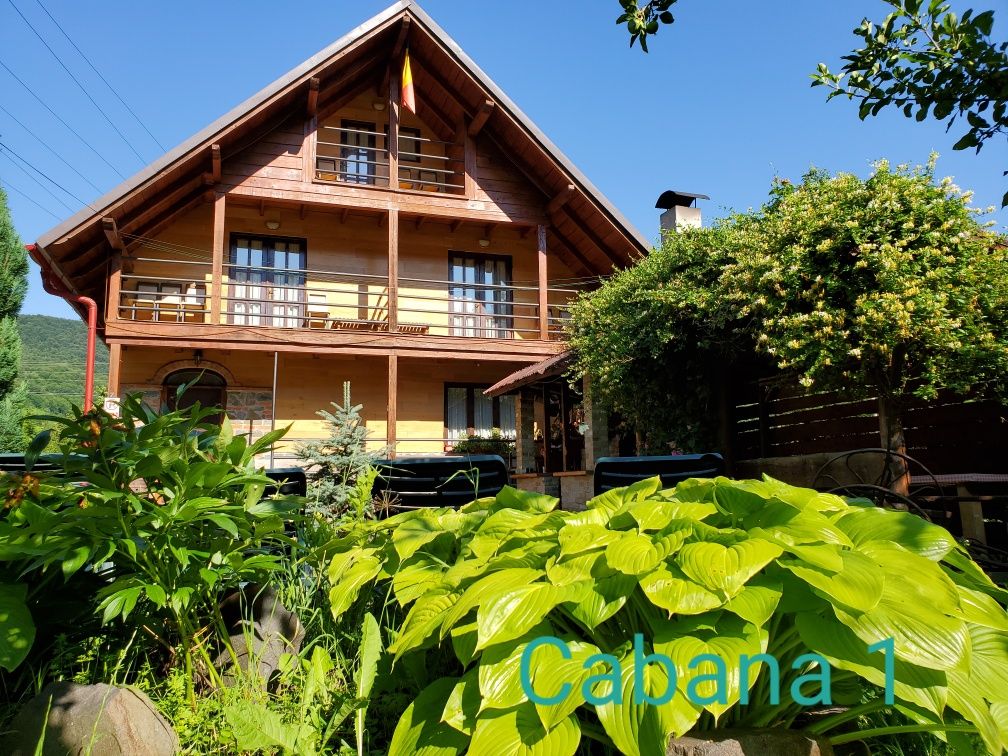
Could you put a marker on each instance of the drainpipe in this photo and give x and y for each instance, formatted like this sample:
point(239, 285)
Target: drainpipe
point(53, 286)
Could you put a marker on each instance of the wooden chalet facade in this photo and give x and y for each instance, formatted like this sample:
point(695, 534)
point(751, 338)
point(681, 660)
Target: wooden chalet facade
point(319, 233)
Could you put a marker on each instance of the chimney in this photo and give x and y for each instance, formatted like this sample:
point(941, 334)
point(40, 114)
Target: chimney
point(680, 210)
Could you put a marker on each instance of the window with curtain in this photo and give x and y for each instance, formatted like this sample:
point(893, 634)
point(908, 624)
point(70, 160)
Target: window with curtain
point(466, 407)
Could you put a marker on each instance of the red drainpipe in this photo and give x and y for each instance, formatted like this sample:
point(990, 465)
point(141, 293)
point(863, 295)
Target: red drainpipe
point(52, 285)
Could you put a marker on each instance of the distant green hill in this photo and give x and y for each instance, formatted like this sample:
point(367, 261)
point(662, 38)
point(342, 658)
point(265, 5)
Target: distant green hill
point(52, 361)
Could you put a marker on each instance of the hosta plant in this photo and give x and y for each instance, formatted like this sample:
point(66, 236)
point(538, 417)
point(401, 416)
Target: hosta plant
point(166, 508)
point(856, 605)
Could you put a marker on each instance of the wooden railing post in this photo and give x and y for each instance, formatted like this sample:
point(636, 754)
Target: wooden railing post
point(543, 284)
point(393, 406)
point(217, 271)
point(115, 357)
point(393, 270)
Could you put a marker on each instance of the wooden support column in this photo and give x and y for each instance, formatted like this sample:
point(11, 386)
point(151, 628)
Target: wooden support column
point(115, 356)
point(543, 284)
point(393, 270)
point(114, 287)
point(217, 274)
point(393, 404)
point(469, 145)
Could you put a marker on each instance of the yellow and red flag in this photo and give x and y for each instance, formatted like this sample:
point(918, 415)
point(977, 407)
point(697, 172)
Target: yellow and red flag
point(408, 96)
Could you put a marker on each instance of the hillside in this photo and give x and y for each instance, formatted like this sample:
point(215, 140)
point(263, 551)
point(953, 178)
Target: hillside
point(52, 361)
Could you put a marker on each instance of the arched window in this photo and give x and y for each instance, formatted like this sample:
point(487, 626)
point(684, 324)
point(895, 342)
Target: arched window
point(209, 389)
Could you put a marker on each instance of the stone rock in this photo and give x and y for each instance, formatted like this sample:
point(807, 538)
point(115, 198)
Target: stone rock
point(773, 742)
point(99, 720)
point(261, 630)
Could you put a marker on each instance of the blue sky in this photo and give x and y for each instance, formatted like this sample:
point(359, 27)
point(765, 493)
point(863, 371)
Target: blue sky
point(720, 105)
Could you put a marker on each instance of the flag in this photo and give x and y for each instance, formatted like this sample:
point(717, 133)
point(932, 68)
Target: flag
point(408, 97)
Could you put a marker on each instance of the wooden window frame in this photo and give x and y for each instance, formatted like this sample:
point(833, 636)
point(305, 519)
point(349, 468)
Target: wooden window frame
point(269, 241)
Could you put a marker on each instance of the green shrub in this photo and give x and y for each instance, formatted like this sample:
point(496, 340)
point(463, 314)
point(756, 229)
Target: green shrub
point(494, 443)
point(713, 566)
point(166, 509)
point(337, 466)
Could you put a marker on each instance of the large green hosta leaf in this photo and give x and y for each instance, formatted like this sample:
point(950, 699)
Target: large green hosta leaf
point(731, 639)
point(348, 573)
point(725, 568)
point(858, 585)
point(485, 588)
point(17, 631)
point(920, 685)
point(550, 671)
point(632, 554)
point(421, 732)
point(416, 532)
point(463, 704)
point(528, 501)
point(417, 575)
point(642, 729)
point(871, 524)
point(757, 602)
point(595, 601)
point(582, 538)
point(518, 732)
point(512, 613)
point(782, 523)
point(676, 594)
point(500, 670)
point(419, 629)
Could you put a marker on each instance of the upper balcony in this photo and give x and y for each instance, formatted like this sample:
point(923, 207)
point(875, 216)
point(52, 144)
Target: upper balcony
point(474, 302)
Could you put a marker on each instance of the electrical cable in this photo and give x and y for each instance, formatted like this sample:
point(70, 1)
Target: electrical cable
point(55, 115)
point(45, 144)
point(43, 186)
point(77, 82)
point(95, 69)
point(9, 151)
point(37, 204)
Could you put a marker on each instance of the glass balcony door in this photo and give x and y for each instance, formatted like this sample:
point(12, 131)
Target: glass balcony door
point(267, 279)
point(480, 302)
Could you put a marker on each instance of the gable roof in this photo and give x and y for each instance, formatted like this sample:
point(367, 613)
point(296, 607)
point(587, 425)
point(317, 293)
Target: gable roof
point(77, 248)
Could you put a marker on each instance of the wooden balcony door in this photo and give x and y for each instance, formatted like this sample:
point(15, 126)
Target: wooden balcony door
point(479, 300)
point(267, 279)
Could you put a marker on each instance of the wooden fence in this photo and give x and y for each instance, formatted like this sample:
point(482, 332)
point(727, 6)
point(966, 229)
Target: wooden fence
point(948, 435)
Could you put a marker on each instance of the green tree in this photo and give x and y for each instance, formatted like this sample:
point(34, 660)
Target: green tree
point(926, 60)
point(337, 464)
point(13, 286)
point(887, 286)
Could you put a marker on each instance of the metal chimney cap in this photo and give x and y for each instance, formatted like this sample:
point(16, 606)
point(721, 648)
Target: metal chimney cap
point(672, 198)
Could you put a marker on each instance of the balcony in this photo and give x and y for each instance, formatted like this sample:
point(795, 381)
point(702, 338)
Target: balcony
point(354, 153)
point(161, 290)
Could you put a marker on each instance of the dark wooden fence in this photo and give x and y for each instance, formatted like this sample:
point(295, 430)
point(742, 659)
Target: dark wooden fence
point(949, 435)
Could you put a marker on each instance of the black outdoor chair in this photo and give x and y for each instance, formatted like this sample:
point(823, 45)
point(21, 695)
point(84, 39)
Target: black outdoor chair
point(617, 472)
point(421, 482)
point(15, 463)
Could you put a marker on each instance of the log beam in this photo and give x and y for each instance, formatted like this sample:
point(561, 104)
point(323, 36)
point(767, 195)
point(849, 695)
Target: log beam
point(313, 95)
point(482, 116)
point(560, 199)
point(111, 230)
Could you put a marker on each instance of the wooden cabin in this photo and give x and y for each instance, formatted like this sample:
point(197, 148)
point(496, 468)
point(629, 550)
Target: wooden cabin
point(320, 232)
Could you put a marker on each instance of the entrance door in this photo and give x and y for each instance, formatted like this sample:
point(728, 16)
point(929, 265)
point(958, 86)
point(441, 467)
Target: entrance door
point(248, 276)
point(358, 155)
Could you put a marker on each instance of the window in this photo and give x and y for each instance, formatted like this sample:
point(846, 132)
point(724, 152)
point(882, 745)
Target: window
point(480, 296)
point(267, 279)
point(208, 388)
point(358, 153)
point(468, 409)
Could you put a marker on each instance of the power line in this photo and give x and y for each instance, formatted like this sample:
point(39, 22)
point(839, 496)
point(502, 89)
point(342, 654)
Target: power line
point(78, 83)
point(45, 176)
point(48, 147)
point(93, 68)
point(43, 186)
point(14, 189)
point(55, 115)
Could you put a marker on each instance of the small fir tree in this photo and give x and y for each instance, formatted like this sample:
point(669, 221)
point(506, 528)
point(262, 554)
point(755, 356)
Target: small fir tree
point(13, 286)
point(340, 465)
